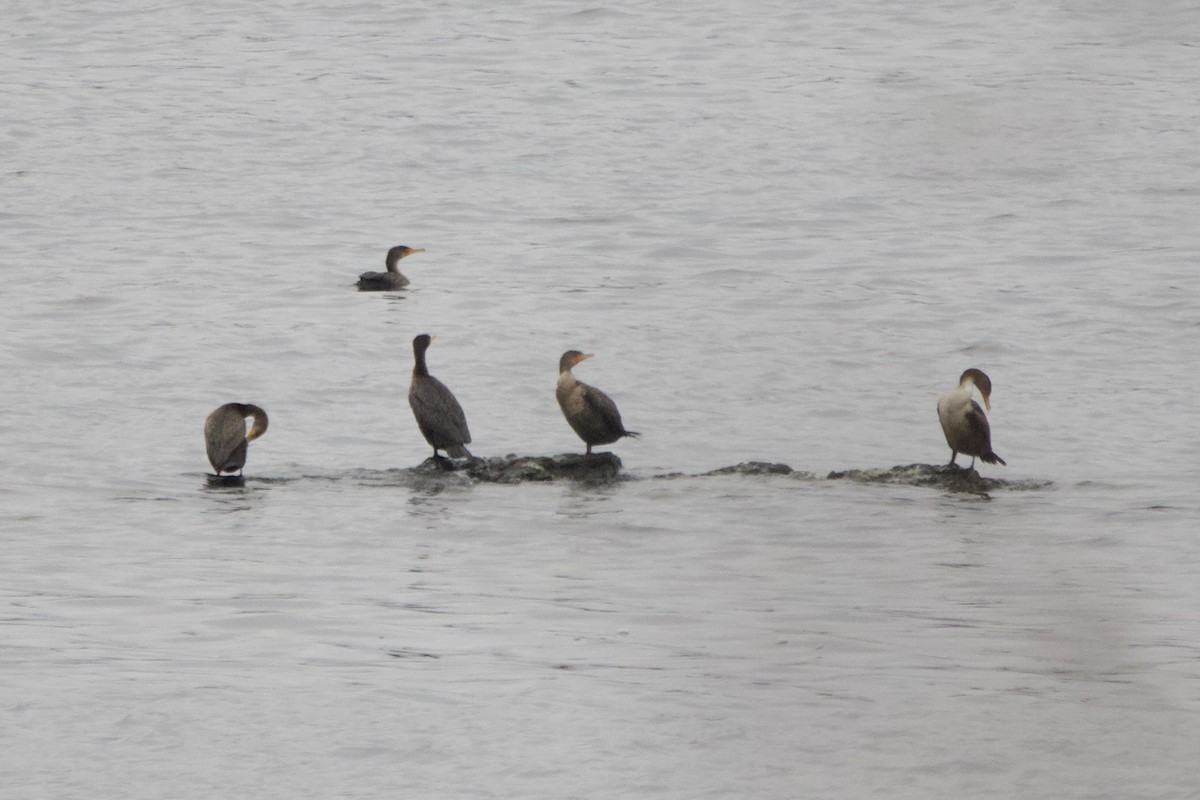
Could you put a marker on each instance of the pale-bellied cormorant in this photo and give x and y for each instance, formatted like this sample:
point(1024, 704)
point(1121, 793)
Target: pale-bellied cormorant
point(590, 412)
point(392, 279)
point(439, 416)
point(225, 435)
point(963, 421)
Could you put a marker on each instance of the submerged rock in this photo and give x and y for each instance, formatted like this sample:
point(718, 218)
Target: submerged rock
point(440, 474)
point(224, 481)
point(594, 468)
point(753, 468)
point(952, 479)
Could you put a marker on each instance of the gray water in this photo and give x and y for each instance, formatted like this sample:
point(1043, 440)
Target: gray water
point(784, 229)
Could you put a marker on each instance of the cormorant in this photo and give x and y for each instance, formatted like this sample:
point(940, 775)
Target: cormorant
point(963, 421)
point(225, 435)
point(590, 412)
point(392, 279)
point(439, 416)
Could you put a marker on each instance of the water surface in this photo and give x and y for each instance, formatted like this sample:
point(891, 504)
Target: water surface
point(783, 232)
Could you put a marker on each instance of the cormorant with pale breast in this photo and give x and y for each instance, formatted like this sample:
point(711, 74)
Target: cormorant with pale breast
point(439, 416)
point(963, 421)
point(392, 279)
point(590, 412)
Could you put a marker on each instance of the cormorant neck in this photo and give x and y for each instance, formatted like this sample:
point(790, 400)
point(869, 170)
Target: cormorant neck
point(260, 420)
point(419, 367)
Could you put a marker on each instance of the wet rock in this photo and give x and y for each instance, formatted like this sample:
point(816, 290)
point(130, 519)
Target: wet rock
point(594, 468)
point(951, 479)
point(440, 465)
point(224, 481)
point(436, 474)
point(753, 468)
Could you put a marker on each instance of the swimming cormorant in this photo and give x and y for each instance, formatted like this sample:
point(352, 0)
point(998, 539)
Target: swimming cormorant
point(392, 279)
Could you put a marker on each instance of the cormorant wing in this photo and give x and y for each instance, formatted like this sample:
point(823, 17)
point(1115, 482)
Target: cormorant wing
point(603, 407)
point(437, 407)
point(225, 440)
point(977, 424)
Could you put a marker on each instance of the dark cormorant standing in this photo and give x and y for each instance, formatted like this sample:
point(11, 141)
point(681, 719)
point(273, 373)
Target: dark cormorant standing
point(225, 435)
point(439, 416)
point(963, 421)
point(392, 279)
point(590, 412)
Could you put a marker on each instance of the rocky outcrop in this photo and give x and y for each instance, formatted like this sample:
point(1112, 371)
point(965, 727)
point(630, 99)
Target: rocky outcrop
point(950, 479)
point(594, 468)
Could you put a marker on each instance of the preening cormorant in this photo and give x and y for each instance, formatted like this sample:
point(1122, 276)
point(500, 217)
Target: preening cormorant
point(963, 421)
point(225, 435)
